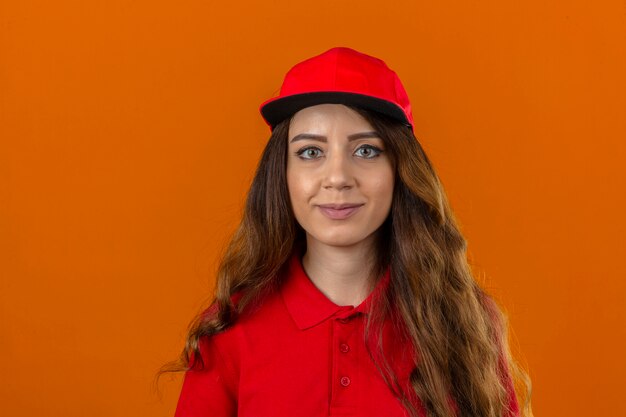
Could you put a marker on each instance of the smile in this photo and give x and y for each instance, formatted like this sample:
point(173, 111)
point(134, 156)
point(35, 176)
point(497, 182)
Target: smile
point(339, 212)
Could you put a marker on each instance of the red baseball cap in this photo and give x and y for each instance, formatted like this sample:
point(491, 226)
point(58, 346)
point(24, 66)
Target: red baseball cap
point(343, 76)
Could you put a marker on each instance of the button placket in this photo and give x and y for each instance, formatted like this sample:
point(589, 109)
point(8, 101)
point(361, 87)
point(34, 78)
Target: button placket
point(345, 362)
point(345, 380)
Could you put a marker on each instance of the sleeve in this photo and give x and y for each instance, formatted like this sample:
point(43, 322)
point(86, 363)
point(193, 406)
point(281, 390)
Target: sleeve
point(513, 406)
point(209, 391)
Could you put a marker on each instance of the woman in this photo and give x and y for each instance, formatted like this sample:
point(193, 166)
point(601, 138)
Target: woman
point(346, 289)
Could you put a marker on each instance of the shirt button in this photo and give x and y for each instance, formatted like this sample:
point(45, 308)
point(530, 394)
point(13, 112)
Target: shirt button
point(345, 381)
point(344, 348)
point(344, 321)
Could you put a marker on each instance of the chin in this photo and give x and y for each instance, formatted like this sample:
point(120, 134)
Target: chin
point(339, 239)
point(340, 243)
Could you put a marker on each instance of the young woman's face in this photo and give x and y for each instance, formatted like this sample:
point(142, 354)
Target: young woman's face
point(339, 175)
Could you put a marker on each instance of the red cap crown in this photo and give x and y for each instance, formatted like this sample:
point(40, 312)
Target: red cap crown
point(344, 76)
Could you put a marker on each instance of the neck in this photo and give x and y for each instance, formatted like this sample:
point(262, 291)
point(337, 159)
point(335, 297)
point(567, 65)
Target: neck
point(343, 274)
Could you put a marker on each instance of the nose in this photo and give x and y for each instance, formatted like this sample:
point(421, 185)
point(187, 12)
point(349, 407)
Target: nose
point(338, 173)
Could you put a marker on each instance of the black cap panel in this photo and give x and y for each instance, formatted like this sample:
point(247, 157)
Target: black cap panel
point(278, 110)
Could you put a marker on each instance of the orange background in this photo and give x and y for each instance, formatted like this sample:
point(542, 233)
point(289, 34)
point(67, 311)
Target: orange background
point(129, 134)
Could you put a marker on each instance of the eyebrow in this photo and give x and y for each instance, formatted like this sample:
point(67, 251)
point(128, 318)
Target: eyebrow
point(322, 138)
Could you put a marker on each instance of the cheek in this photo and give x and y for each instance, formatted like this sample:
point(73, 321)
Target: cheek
point(299, 187)
point(382, 187)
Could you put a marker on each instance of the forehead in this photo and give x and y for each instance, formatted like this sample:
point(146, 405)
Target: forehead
point(323, 118)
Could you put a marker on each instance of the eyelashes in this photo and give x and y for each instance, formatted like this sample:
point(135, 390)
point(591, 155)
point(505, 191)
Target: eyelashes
point(372, 151)
point(308, 152)
point(363, 151)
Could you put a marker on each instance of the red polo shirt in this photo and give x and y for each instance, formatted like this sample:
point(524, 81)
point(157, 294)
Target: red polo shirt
point(298, 354)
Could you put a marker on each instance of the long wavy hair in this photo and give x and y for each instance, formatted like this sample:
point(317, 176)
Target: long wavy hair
point(457, 330)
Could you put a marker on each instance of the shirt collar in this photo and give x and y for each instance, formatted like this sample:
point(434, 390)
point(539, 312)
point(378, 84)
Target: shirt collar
point(308, 306)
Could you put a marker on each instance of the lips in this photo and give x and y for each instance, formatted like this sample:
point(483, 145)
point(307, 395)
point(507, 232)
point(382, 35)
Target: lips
point(339, 211)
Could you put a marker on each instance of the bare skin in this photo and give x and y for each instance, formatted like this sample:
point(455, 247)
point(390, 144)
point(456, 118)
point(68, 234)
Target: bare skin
point(342, 274)
point(340, 183)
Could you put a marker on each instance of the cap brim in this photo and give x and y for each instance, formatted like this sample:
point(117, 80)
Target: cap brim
point(278, 109)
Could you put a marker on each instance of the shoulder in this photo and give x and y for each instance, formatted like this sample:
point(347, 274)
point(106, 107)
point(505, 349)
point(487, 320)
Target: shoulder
point(256, 318)
point(252, 321)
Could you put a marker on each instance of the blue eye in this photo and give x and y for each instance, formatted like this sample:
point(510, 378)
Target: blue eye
point(368, 151)
point(309, 152)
